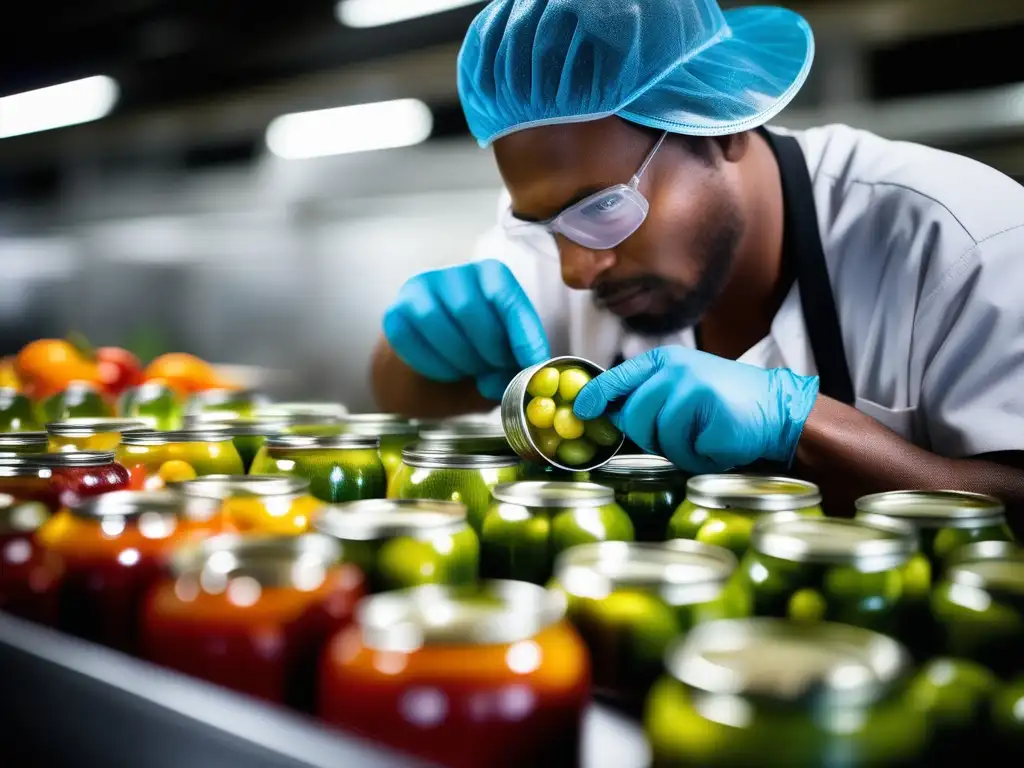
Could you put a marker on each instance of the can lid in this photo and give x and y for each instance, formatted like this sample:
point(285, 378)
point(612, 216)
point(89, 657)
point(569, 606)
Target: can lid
point(11, 440)
point(238, 566)
point(989, 565)
point(488, 613)
point(322, 442)
point(830, 665)
point(753, 492)
point(223, 487)
point(433, 459)
point(235, 426)
point(379, 424)
point(88, 427)
point(376, 519)
point(554, 494)
point(21, 516)
point(871, 546)
point(643, 466)
point(934, 509)
point(71, 459)
point(18, 465)
point(682, 572)
point(130, 505)
point(152, 437)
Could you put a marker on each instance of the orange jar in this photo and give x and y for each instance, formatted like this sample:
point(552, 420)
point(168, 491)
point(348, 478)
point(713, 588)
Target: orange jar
point(252, 613)
point(29, 575)
point(114, 548)
point(490, 675)
point(254, 503)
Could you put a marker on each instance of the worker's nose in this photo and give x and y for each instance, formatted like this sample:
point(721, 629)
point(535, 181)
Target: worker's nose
point(582, 266)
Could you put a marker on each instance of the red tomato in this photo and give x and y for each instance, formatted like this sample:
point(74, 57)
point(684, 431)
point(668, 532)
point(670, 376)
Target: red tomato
point(119, 369)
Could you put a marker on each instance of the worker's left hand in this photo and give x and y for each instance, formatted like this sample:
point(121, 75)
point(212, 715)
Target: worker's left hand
point(703, 413)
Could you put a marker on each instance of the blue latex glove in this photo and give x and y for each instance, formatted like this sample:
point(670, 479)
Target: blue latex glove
point(703, 413)
point(473, 321)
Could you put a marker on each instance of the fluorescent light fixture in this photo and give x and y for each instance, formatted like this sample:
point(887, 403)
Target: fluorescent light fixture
point(361, 128)
point(377, 13)
point(80, 101)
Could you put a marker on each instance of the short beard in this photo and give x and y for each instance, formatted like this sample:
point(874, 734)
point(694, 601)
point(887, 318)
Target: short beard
point(719, 251)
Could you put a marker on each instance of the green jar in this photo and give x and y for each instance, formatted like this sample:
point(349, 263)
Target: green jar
point(79, 400)
point(232, 402)
point(766, 692)
point(649, 488)
point(529, 524)
point(155, 403)
point(825, 569)
point(20, 443)
point(404, 543)
point(629, 601)
point(1007, 723)
point(395, 433)
point(339, 468)
point(247, 433)
point(16, 414)
point(465, 437)
point(461, 477)
point(722, 509)
point(979, 606)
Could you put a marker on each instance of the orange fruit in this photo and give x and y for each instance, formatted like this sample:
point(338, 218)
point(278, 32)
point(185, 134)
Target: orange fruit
point(48, 366)
point(182, 372)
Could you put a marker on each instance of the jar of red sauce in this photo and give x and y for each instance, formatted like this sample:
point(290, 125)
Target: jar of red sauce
point(253, 613)
point(61, 479)
point(114, 548)
point(29, 575)
point(462, 676)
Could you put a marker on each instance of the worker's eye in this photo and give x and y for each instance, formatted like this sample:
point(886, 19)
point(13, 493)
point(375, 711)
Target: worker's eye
point(603, 206)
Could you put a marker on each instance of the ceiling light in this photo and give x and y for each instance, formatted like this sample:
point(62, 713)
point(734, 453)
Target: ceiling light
point(361, 128)
point(79, 101)
point(377, 13)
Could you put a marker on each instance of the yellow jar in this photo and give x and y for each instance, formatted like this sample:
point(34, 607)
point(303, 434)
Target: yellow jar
point(253, 504)
point(100, 434)
point(157, 458)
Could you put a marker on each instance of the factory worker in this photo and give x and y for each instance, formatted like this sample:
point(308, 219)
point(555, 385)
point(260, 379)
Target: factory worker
point(845, 306)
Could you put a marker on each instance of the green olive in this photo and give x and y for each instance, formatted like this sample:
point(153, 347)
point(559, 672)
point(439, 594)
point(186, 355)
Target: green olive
point(807, 606)
point(544, 383)
point(602, 432)
point(576, 453)
point(547, 441)
point(541, 412)
point(571, 382)
point(566, 424)
point(727, 530)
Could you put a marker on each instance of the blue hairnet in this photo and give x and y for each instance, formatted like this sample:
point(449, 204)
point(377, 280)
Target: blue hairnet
point(677, 65)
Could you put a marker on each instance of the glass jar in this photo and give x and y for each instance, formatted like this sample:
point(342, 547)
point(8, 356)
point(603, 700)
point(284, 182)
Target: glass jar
point(157, 458)
point(824, 569)
point(253, 504)
point(252, 613)
point(114, 548)
point(629, 601)
point(61, 479)
point(248, 434)
point(230, 402)
point(16, 414)
point(774, 693)
point(649, 488)
point(395, 433)
point(404, 543)
point(80, 400)
point(90, 434)
point(339, 468)
point(23, 443)
point(722, 509)
point(465, 478)
point(1007, 731)
point(490, 675)
point(324, 419)
point(979, 606)
point(29, 575)
point(465, 437)
point(529, 524)
point(154, 403)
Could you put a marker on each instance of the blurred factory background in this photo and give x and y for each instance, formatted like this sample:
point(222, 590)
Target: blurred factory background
point(179, 222)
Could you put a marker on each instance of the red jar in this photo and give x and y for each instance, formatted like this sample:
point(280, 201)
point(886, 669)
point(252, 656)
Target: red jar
point(61, 479)
point(114, 548)
point(29, 575)
point(253, 613)
point(490, 675)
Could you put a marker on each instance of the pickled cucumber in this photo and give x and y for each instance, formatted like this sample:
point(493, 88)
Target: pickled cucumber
point(544, 383)
point(541, 412)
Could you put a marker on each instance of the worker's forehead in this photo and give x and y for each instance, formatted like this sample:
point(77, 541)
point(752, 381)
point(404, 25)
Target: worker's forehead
point(601, 144)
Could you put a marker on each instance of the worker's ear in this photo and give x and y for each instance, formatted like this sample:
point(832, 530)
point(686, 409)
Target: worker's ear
point(734, 146)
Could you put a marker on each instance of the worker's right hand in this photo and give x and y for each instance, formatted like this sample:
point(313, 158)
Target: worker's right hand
point(473, 321)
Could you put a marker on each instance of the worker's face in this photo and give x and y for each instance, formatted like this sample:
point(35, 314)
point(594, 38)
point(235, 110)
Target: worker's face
point(665, 276)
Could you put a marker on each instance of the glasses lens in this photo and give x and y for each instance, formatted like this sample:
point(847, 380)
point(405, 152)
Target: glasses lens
point(605, 220)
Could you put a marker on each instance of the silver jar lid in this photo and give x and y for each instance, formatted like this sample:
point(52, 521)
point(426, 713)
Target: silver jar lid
point(554, 495)
point(302, 411)
point(681, 572)
point(753, 492)
point(70, 459)
point(639, 466)
point(89, 427)
point(377, 519)
point(379, 424)
point(348, 442)
point(871, 547)
point(934, 509)
point(996, 566)
point(222, 487)
point(829, 665)
point(488, 613)
point(153, 437)
point(235, 426)
point(10, 442)
point(426, 459)
point(221, 397)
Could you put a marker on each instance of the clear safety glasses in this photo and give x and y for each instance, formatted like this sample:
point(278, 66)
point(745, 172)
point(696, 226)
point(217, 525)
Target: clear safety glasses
point(603, 220)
